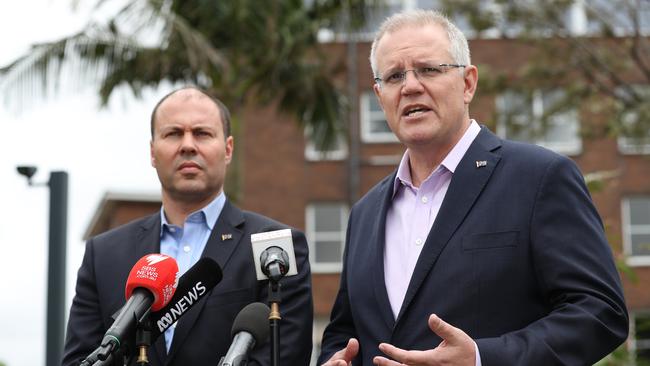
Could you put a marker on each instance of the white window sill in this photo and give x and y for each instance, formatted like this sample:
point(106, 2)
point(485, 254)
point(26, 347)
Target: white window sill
point(638, 261)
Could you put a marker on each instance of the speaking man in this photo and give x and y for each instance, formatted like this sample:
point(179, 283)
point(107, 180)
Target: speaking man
point(477, 250)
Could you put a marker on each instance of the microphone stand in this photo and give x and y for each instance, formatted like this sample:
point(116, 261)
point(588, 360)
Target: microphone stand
point(275, 264)
point(274, 320)
point(110, 353)
point(143, 341)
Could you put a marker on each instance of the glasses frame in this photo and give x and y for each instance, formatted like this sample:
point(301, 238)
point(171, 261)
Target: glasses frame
point(446, 67)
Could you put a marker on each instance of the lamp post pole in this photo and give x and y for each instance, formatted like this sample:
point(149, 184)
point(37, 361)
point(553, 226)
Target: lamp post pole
point(56, 264)
point(56, 268)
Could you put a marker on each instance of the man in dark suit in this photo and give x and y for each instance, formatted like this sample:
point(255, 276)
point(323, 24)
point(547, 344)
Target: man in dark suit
point(191, 146)
point(476, 250)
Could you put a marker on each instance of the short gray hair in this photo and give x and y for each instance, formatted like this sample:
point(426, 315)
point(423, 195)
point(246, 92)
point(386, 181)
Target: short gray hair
point(458, 48)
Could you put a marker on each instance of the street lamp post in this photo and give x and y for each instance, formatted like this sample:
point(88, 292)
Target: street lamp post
point(56, 268)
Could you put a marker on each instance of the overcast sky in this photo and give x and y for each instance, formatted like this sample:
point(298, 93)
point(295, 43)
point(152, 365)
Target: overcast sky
point(102, 150)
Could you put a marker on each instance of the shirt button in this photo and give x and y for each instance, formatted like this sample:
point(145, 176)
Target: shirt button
point(418, 241)
point(425, 199)
point(186, 249)
point(172, 229)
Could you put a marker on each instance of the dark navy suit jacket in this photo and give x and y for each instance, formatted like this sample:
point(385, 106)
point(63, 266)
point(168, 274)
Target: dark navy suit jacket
point(517, 258)
point(202, 335)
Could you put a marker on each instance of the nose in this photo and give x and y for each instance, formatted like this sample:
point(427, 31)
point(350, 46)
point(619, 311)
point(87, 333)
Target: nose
point(188, 144)
point(411, 83)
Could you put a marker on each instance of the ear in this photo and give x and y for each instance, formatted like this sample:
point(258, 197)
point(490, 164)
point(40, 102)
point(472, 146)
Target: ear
point(471, 81)
point(151, 155)
point(377, 89)
point(230, 145)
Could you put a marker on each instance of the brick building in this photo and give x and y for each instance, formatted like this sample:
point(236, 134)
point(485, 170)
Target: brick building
point(286, 178)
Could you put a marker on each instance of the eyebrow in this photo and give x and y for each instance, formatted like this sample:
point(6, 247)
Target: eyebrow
point(416, 64)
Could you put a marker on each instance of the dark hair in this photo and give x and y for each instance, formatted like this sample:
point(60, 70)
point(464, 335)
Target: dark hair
point(223, 110)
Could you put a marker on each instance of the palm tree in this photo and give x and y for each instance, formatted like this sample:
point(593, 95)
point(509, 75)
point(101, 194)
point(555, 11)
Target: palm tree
point(244, 51)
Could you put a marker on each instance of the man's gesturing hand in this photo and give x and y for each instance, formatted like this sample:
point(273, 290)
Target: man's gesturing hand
point(344, 357)
point(456, 348)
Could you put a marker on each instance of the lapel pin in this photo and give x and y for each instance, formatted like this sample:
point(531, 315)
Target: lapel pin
point(481, 163)
point(225, 237)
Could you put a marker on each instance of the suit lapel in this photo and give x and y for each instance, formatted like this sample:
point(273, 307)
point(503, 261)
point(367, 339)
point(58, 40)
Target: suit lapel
point(378, 242)
point(221, 244)
point(148, 238)
point(466, 185)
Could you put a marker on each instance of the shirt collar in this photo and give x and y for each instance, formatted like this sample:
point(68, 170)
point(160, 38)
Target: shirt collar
point(209, 213)
point(450, 162)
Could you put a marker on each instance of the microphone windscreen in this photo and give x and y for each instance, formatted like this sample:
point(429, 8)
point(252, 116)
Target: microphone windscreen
point(157, 273)
point(192, 286)
point(254, 319)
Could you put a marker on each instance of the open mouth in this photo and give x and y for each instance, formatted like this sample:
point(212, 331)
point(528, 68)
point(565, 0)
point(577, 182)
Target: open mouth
point(415, 111)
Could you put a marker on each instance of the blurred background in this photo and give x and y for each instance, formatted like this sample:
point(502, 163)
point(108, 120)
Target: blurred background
point(78, 80)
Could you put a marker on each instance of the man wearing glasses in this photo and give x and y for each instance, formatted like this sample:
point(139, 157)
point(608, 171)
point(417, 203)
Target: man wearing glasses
point(477, 250)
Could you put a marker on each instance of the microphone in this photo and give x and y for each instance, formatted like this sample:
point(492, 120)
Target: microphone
point(275, 262)
point(192, 286)
point(249, 329)
point(150, 286)
point(273, 254)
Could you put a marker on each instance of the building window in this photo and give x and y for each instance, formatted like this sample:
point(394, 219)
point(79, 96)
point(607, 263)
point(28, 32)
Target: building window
point(634, 136)
point(539, 118)
point(636, 229)
point(374, 127)
point(640, 331)
point(326, 223)
point(338, 150)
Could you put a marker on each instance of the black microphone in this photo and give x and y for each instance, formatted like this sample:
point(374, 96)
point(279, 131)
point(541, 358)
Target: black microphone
point(192, 286)
point(250, 328)
point(275, 262)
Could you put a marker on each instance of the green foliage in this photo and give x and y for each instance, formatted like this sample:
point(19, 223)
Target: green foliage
point(244, 51)
point(603, 65)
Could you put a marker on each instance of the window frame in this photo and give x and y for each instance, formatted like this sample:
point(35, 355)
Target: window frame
point(314, 154)
point(367, 117)
point(628, 145)
point(628, 231)
point(572, 148)
point(313, 237)
point(633, 340)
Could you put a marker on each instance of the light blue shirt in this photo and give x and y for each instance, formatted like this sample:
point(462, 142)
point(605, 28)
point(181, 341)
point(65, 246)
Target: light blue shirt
point(186, 243)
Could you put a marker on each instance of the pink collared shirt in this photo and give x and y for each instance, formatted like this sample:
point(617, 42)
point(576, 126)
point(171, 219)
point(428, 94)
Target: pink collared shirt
point(411, 215)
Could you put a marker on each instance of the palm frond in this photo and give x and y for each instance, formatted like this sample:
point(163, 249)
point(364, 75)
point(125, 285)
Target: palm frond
point(84, 57)
point(101, 52)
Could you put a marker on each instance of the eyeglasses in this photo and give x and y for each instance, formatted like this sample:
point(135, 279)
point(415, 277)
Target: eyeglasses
point(421, 73)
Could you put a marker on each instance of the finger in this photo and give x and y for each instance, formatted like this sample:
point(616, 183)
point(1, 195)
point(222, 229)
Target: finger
point(335, 363)
point(344, 356)
point(383, 361)
point(400, 355)
point(351, 350)
point(443, 329)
